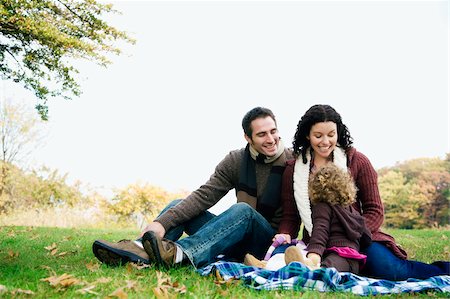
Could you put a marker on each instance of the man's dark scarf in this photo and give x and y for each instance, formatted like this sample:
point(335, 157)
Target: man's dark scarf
point(269, 202)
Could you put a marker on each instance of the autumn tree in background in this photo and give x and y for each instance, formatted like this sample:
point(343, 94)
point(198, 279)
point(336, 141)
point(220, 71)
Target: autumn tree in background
point(140, 199)
point(41, 188)
point(40, 40)
point(20, 132)
point(416, 193)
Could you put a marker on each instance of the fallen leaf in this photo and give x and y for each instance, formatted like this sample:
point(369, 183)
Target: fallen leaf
point(67, 238)
point(92, 266)
point(65, 280)
point(131, 284)
point(3, 289)
point(51, 247)
point(119, 293)
point(165, 285)
point(161, 293)
point(103, 280)
point(87, 290)
point(20, 291)
point(13, 254)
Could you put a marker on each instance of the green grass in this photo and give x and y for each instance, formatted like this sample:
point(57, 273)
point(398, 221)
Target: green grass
point(25, 261)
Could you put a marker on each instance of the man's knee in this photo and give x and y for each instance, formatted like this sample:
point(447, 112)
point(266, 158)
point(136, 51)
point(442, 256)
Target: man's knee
point(171, 204)
point(174, 203)
point(242, 208)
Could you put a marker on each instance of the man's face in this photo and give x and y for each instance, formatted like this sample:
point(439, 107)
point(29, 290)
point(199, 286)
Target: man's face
point(265, 137)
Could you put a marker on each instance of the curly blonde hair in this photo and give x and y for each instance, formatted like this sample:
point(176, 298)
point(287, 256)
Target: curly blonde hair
point(332, 185)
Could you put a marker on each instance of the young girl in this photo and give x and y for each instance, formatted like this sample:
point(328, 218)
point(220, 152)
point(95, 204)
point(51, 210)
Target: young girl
point(337, 227)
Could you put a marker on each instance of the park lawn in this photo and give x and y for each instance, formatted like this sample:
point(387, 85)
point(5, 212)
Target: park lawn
point(43, 262)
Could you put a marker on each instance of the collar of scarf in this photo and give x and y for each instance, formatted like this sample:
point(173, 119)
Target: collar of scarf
point(266, 204)
point(261, 158)
point(301, 178)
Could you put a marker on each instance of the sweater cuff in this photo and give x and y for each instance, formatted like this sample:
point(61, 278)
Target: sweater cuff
point(165, 222)
point(316, 249)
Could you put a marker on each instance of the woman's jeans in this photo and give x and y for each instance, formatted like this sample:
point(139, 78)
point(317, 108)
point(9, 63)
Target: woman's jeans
point(382, 263)
point(237, 231)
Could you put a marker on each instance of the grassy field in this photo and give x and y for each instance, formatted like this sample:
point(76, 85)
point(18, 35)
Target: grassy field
point(40, 262)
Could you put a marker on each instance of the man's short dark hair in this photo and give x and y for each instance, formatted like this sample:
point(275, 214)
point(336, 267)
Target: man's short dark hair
point(258, 112)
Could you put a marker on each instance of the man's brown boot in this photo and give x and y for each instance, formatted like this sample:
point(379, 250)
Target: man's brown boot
point(119, 253)
point(162, 252)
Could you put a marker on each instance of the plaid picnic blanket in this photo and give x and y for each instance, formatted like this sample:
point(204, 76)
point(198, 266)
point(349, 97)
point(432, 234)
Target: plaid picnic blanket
point(296, 276)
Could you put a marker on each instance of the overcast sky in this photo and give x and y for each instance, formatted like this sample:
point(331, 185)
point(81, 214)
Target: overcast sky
point(168, 110)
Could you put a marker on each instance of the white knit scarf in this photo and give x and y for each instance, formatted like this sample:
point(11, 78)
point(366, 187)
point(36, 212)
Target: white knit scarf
point(301, 178)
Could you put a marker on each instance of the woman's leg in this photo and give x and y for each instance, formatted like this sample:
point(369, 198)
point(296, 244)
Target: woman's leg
point(382, 263)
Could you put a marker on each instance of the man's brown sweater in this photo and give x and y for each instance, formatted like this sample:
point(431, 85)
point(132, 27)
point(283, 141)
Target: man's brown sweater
point(224, 178)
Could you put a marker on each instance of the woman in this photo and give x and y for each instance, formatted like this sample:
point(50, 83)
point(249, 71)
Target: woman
point(321, 138)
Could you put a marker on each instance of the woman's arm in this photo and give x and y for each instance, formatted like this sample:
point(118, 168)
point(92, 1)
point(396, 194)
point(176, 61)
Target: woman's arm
point(368, 195)
point(290, 221)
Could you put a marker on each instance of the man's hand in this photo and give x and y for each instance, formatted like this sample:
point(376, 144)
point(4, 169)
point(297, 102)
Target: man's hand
point(155, 227)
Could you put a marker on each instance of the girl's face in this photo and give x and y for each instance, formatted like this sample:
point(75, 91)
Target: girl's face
point(323, 138)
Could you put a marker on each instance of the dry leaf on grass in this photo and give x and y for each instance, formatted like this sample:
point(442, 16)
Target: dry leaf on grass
point(92, 266)
point(87, 290)
point(13, 254)
point(119, 293)
point(220, 281)
point(24, 292)
point(3, 289)
point(51, 247)
point(162, 291)
point(131, 284)
point(67, 238)
point(53, 250)
point(63, 281)
point(103, 280)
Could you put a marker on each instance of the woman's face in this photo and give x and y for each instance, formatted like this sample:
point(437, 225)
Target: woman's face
point(323, 138)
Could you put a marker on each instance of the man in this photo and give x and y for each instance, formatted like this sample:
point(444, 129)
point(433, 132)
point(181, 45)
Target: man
point(246, 227)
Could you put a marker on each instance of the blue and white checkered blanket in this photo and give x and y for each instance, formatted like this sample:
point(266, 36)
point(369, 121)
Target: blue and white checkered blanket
point(296, 276)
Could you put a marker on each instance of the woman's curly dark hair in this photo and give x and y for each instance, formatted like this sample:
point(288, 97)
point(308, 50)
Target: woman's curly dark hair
point(317, 114)
point(332, 185)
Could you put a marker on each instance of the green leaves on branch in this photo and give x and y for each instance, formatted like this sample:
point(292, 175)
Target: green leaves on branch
point(40, 38)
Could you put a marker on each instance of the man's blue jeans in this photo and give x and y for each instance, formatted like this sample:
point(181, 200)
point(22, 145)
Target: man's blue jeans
point(382, 263)
point(237, 231)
